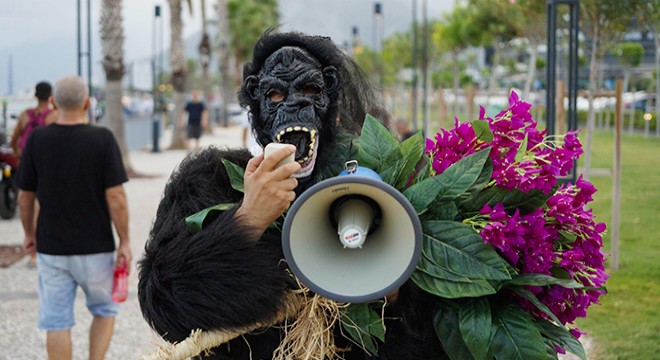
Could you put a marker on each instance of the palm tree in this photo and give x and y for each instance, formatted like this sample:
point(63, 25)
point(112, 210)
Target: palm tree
point(112, 42)
point(179, 73)
point(204, 49)
point(248, 19)
point(223, 56)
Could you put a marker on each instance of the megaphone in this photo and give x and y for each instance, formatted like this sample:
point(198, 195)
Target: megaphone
point(352, 238)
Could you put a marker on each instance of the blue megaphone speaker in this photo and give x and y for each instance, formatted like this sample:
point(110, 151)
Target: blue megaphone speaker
point(352, 238)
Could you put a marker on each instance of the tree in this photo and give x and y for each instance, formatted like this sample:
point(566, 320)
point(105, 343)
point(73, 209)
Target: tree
point(630, 55)
point(533, 27)
point(397, 55)
point(502, 21)
point(112, 44)
point(248, 20)
point(604, 23)
point(650, 16)
point(179, 73)
point(498, 31)
point(223, 57)
point(204, 49)
point(454, 33)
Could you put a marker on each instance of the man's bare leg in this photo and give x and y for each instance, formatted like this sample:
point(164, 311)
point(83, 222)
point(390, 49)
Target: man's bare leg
point(58, 345)
point(100, 334)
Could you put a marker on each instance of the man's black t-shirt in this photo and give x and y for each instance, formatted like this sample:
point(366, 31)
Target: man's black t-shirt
point(195, 110)
point(70, 167)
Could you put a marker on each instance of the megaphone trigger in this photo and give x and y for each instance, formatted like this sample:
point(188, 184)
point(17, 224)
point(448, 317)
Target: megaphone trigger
point(273, 147)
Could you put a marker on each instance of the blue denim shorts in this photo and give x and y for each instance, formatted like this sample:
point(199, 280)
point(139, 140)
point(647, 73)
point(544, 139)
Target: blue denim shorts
point(60, 276)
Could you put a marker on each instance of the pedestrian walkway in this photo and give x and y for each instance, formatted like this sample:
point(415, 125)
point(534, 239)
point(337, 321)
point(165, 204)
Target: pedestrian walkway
point(19, 336)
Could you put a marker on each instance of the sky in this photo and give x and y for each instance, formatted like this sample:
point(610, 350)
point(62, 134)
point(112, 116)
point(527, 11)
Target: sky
point(40, 36)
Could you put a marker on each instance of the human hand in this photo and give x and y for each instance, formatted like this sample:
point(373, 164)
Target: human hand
point(124, 255)
point(30, 244)
point(269, 191)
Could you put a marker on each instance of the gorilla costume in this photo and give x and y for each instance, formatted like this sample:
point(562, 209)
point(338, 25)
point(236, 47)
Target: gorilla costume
point(301, 90)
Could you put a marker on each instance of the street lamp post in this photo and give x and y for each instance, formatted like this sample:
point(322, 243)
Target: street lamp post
point(88, 53)
point(155, 78)
point(378, 39)
point(355, 40)
point(551, 87)
point(425, 72)
point(413, 97)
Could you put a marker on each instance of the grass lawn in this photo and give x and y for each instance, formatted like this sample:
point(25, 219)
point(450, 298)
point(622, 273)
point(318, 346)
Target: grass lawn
point(627, 323)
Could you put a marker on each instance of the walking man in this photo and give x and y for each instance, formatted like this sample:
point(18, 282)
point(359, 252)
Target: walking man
point(197, 118)
point(76, 172)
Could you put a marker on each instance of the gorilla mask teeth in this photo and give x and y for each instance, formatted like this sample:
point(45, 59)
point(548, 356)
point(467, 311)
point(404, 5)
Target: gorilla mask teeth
point(306, 144)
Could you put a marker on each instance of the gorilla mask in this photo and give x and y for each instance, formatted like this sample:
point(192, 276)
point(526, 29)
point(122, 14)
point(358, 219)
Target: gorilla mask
point(295, 94)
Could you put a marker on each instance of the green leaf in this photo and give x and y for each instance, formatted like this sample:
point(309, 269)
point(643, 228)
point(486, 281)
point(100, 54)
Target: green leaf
point(460, 249)
point(411, 150)
point(447, 186)
point(451, 289)
point(562, 337)
point(460, 176)
point(534, 300)
point(196, 221)
point(376, 142)
point(362, 323)
point(566, 237)
point(511, 199)
point(475, 326)
point(542, 280)
point(443, 211)
point(345, 148)
point(446, 325)
point(550, 351)
point(235, 174)
point(484, 177)
point(437, 271)
point(482, 130)
point(522, 150)
point(423, 171)
point(559, 272)
point(516, 337)
point(392, 170)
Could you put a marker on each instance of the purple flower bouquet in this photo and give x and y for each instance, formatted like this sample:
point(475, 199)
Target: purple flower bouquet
point(512, 255)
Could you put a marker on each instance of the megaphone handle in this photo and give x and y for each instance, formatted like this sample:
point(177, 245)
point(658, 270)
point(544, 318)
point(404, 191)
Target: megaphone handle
point(351, 166)
point(273, 147)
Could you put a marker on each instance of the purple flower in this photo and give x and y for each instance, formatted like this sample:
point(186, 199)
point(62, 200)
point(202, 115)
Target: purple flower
point(561, 238)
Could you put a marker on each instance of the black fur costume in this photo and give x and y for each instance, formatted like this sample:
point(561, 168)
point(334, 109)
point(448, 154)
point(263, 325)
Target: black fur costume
point(214, 278)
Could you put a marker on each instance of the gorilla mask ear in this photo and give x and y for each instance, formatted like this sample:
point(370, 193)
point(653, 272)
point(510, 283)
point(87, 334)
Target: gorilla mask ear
point(251, 84)
point(330, 78)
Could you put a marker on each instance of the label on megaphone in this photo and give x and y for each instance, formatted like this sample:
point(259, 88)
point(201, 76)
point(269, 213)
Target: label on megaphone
point(354, 219)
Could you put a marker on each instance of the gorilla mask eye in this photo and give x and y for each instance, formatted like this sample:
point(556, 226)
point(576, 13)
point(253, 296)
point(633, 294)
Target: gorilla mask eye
point(311, 90)
point(275, 96)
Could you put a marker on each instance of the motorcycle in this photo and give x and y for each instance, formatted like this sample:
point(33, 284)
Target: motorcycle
point(8, 188)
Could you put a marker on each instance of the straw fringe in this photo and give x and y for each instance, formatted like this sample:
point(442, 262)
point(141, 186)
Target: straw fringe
point(201, 341)
point(311, 336)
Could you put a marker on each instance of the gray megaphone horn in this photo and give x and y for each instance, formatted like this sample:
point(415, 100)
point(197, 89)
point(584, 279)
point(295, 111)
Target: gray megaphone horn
point(352, 238)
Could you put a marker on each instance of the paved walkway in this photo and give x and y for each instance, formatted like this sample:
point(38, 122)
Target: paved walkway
point(19, 336)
